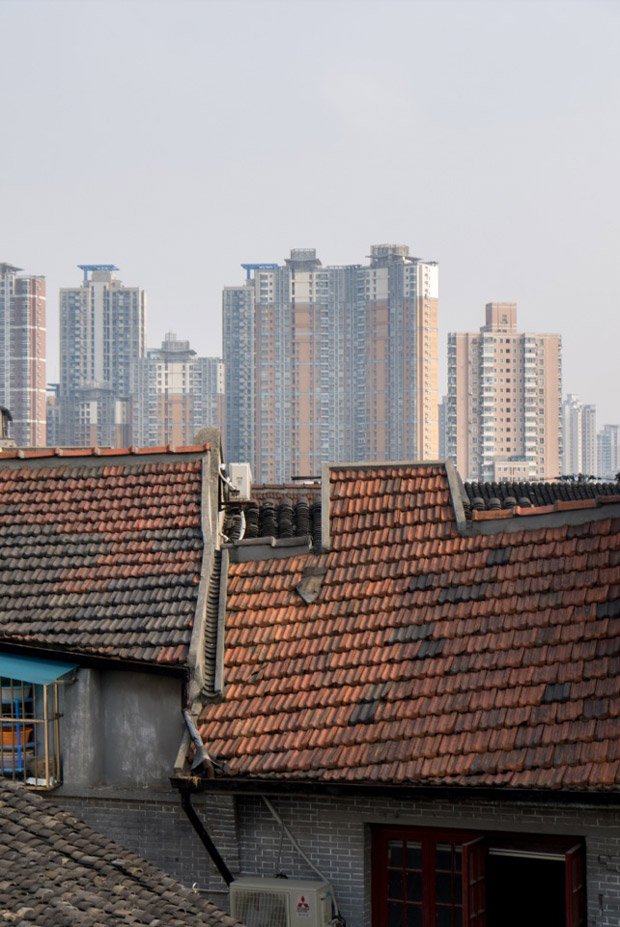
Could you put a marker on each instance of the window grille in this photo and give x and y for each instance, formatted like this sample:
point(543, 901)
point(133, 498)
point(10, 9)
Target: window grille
point(30, 738)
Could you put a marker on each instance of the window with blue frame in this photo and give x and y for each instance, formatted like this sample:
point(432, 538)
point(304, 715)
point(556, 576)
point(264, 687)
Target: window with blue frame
point(30, 719)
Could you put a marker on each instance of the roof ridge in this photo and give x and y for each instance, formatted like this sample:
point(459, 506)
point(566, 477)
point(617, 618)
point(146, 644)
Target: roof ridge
point(72, 452)
point(560, 505)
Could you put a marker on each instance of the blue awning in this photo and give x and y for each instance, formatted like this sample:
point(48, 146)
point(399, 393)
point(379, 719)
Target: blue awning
point(36, 672)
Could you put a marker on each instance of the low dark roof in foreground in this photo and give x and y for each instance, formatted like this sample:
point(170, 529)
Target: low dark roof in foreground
point(426, 650)
point(56, 871)
point(101, 552)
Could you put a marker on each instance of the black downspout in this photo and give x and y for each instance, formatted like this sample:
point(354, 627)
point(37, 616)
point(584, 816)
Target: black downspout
point(190, 811)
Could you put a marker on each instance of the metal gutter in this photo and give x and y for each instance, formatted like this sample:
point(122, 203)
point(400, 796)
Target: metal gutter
point(439, 792)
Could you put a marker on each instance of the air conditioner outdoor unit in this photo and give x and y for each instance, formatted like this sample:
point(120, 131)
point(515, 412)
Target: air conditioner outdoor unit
point(260, 902)
point(240, 476)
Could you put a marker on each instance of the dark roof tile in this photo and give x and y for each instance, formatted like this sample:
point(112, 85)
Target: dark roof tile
point(90, 552)
point(76, 875)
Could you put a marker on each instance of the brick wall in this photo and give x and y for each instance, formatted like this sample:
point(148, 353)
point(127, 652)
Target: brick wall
point(335, 833)
point(160, 832)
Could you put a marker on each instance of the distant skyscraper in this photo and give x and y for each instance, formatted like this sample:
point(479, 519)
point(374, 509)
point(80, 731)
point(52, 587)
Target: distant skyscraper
point(579, 437)
point(101, 338)
point(443, 422)
point(177, 394)
point(504, 396)
point(52, 415)
point(331, 363)
point(22, 354)
point(609, 452)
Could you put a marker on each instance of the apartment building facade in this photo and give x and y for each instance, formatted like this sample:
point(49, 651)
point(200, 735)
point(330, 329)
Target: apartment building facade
point(504, 400)
point(177, 394)
point(22, 354)
point(579, 437)
point(101, 338)
point(331, 363)
point(608, 447)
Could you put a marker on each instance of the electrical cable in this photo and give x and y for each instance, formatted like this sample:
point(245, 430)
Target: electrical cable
point(338, 920)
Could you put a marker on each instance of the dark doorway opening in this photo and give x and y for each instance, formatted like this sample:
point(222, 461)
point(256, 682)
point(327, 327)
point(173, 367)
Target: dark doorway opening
point(525, 890)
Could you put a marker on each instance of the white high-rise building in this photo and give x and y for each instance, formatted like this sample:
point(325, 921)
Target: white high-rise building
point(177, 394)
point(504, 400)
point(101, 338)
point(609, 452)
point(579, 437)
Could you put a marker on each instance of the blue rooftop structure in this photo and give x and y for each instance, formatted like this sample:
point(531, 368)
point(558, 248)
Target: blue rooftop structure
point(248, 268)
point(88, 267)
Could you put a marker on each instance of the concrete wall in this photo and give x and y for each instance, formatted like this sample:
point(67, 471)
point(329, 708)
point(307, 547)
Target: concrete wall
point(335, 833)
point(119, 728)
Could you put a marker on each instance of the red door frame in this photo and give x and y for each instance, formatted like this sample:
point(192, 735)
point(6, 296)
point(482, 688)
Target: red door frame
point(428, 837)
point(474, 882)
point(475, 845)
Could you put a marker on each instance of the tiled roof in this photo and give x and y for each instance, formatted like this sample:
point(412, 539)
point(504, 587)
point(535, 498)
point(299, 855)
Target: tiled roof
point(294, 509)
point(483, 496)
point(413, 654)
point(101, 555)
point(57, 872)
point(279, 511)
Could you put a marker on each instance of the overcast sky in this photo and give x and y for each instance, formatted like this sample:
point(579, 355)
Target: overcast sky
point(178, 139)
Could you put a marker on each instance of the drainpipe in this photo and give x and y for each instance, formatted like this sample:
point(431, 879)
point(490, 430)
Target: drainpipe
point(201, 760)
point(212, 850)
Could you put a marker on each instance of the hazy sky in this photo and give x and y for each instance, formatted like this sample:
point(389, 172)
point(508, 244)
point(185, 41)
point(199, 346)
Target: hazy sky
point(178, 139)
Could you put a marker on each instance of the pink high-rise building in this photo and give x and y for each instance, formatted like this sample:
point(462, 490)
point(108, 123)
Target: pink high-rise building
point(22, 354)
point(504, 400)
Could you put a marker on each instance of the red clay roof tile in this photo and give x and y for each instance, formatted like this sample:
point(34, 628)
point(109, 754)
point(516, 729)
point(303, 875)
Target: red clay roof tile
point(430, 657)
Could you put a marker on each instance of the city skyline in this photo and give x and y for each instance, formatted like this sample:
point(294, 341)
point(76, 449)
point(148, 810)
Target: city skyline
point(506, 176)
point(151, 342)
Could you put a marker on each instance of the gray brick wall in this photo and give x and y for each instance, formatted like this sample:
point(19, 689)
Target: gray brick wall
point(159, 831)
point(335, 833)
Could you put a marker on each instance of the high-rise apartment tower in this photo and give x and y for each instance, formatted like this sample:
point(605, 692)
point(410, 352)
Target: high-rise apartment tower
point(177, 394)
point(609, 452)
point(22, 354)
point(579, 437)
point(331, 363)
point(101, 338)
point(504, 400)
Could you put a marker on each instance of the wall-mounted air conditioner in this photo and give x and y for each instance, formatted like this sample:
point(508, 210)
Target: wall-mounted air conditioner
point(240, 476)
point(260, 902)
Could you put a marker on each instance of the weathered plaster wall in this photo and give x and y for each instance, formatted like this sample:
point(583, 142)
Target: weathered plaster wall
point(119, 728)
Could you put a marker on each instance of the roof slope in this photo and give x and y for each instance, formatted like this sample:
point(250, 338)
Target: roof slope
point(101, 557)
point(428, 657)
point(56, 871)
